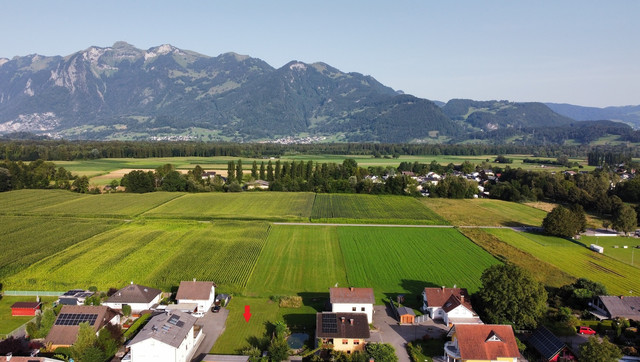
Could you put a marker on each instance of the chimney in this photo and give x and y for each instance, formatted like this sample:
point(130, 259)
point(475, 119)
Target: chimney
point(132, 282)
point(461, 298)
point(351, 289)
point(342, 319)
point(622, 297)
point(443, 288)
point(194, 280)
point(351, 321)
point(9, 355)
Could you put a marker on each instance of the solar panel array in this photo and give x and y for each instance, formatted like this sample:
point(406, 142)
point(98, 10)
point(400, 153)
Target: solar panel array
point(546, 342)
point(329, 323)
point(74, 319)
point(174, 319)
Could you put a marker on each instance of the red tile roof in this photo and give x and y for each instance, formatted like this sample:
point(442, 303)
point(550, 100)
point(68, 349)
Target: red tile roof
point(26, 305)
point(474, 341)
point(438, 297)
point(351, 295)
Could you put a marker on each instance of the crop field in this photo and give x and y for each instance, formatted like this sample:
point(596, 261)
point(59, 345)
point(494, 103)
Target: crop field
point(485, 212)
point(615, 247)
point(575, 259)
point(298, 259)
point(25, 240)
point(274, 206)
point(8, 322)
point(157, 253)
point(28, 201)
point(406, 260)
point(352, 208)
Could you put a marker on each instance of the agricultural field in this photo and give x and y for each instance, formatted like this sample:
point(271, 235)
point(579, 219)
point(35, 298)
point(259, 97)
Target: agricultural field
point(156, 253)
point(8, 322)
point(485, 212)
point(575, 259)
point(406, 260)
point(298, 259)
point(353, 208)
point(26, 240)
point(28, 201)
point(614, 246)
point(273, 206)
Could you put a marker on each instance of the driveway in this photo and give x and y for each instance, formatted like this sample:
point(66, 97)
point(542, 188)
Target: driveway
point(213, 325)
point(389, 331)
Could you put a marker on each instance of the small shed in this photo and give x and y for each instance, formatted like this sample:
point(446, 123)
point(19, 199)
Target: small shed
point(406, 315)
point(25, 308)
point(550, 347)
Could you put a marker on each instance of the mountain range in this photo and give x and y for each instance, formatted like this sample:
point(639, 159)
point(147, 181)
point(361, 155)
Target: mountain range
point(165, 93)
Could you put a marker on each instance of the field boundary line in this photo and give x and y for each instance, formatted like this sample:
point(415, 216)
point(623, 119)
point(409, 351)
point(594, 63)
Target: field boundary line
point(374, 225)
point(157, 206)
point(253, 268)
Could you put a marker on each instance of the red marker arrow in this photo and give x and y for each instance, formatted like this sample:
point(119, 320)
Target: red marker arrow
point(247, 313)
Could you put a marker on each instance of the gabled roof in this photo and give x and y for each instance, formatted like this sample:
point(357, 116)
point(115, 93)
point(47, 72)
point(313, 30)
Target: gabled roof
point(439, 297)
point(351, 295)
point(134, 293)
point(342, 325)
point(66, 334)
point(406, 311)
point(546, 343)
point(169, 328)
point(485, 341)
point(25, 305)
point(626, 307)
point(195, 290)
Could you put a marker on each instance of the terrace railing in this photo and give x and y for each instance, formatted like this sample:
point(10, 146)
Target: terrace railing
point(34, 293)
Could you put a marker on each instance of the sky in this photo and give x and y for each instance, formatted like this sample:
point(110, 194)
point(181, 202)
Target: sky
point(579, 52)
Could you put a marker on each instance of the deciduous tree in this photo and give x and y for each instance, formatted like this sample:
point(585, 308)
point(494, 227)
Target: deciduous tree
point(595, 350)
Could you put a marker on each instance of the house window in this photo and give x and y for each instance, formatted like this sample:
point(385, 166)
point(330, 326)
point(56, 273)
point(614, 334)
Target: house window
point(362, 309)
point(356, 343)
point(353, 309)
point(345, 341)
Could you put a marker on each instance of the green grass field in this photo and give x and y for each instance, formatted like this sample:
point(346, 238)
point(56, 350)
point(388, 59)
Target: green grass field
point(298, 259)
point(26, 240)
point(485, 212)
point(575, 259)
point(155, 253)
point(28, 201)
point(273, 206)
point(8, 322)
point(352, 208)
point(614, 247)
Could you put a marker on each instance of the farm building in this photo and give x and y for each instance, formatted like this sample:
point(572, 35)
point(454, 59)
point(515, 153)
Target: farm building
point(202, 294)
point(452, 305)
point(406, 315)
point(170, 337)
point(611, 307)
point(352, 300)
point(481, 342)
point(65, 329)
point(347, 332)
point(25, 308)
point(138, 297)
point(550, 347)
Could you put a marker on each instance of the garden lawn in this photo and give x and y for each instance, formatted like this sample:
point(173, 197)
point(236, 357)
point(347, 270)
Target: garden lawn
point(614, 247)
point(154, 253)
point(8, 322)
point(273, 206)
point(406, 260)
point(298, 259)
point(485, 212)
point(28, 239)
point(359, 208)
point(575, 259)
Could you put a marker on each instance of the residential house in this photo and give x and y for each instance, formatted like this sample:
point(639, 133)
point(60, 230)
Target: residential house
point(550, 347)
point(481, 342)
point(64, 331)
point(25, 308)
point(208, 175)
point(138, 297)
point(202, 294)
point(452, 305)
point(611, 307)
point(74, 297)
point(257, 184)
point(352, 300)
point(344, 332)
point(170, 337)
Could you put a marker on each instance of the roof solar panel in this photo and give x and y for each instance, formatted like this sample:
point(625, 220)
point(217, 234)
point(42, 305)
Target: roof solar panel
point(74, 319)
point(174, 319)
point(329, 323)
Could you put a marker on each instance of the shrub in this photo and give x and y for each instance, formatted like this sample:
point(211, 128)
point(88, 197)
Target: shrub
point(291, 302)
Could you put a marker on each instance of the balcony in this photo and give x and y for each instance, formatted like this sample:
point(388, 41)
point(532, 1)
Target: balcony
point(451, 351)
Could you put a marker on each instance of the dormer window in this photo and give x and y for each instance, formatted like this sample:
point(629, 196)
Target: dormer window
point(493, 337)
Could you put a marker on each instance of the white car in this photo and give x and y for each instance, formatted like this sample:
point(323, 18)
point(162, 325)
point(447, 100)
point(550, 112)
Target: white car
point(198, 314)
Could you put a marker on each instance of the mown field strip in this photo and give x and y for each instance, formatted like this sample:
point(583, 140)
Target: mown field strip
point(575, 259)
point(485, 212)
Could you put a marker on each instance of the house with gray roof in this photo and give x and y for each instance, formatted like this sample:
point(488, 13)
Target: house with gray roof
point(167, 337)
point(611, 307)
point(138, 297)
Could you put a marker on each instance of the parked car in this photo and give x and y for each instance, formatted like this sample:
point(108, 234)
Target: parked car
point(586, 330)
point(215, 308)
point(198, 314)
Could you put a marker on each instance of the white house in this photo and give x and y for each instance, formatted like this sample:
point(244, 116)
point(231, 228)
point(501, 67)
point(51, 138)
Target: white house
point(452, 305)
point(202, 294)
point(352, 300)
point(167, 337)
point(138, 297)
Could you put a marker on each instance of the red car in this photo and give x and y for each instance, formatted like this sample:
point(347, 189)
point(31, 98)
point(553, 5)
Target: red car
point(586, 330)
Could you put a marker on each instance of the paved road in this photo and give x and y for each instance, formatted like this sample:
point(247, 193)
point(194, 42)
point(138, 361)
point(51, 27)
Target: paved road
point(213, 325)
point(399, 335)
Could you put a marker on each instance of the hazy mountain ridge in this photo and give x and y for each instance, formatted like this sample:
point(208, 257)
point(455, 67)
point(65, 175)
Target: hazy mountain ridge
point(125, 92)
point(627, 114)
